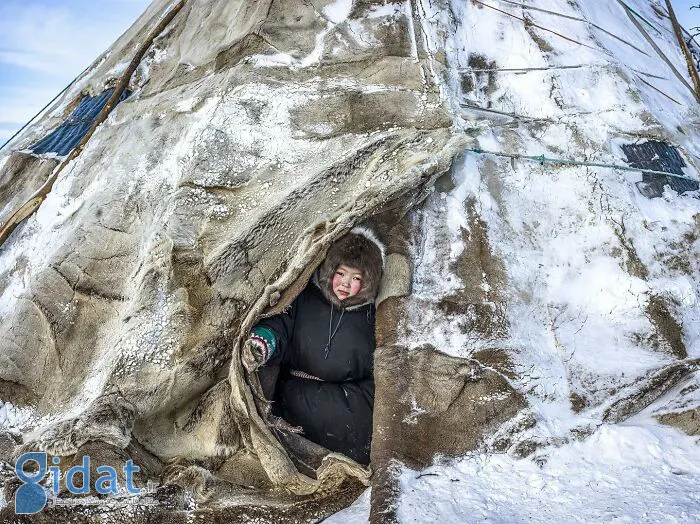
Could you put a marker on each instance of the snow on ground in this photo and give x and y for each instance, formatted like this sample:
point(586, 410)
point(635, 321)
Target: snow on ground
point(356, 513)
point(623, 474)
point(626, 473)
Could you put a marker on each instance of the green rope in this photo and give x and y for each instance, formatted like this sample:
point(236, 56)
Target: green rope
point(647, 22)
point(564, 161)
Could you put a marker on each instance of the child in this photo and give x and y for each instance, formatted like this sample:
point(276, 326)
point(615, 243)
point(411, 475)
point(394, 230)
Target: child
point(325, 345)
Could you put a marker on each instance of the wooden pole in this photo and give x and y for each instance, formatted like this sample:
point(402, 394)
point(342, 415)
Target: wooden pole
point(684, 47)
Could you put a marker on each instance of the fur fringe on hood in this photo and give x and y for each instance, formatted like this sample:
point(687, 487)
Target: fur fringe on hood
point(362, 249)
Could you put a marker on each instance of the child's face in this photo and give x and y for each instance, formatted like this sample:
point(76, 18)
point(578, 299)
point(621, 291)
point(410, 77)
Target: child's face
point(347, 281)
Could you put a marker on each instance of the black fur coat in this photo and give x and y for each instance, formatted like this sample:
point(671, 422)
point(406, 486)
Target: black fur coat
point(335, 411)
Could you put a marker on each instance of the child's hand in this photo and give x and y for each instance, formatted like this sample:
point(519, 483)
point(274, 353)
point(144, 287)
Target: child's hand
point(252, 355)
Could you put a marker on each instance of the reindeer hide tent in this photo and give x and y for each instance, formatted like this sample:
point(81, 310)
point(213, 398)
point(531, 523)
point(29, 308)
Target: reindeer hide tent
point(525, 304)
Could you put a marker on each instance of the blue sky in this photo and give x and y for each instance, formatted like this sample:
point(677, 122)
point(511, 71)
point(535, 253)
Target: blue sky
point(687, 17)
point(44, 44)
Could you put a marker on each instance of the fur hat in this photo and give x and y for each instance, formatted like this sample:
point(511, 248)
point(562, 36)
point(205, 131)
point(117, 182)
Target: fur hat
point(361, 249)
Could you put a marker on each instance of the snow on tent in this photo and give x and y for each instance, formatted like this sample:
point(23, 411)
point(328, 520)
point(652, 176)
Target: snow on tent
point(538, 327)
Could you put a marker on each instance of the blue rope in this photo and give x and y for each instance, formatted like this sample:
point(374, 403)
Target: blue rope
point(543, 159)
point(647, 22)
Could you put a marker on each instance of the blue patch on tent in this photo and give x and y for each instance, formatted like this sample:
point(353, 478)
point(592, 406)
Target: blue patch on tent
point(69, 134)
point(658, 156)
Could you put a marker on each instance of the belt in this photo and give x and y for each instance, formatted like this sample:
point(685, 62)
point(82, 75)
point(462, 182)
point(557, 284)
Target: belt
point(301, 374)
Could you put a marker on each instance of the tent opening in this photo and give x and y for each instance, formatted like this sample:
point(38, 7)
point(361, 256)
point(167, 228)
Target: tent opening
point(323, 346)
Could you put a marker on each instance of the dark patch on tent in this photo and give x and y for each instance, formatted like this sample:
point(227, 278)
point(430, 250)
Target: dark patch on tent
point(69, 134)
point(658, 156)
point(480, 76)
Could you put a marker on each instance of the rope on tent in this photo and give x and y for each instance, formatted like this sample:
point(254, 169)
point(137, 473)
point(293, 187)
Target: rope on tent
point(519, 70)
point(533, 8)
point(470, 106)
point(653, 44)
point(524, 6)
point(31, 205)
point(635, 13)
point(659, 91)
point(678, 31)
point(475, 107)
point(661, 14)
point(528, 69)
point(649, 74)
point(538, 26)
point(542, 159)
point(577, 19)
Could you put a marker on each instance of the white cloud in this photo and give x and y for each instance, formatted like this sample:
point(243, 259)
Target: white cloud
point(18, 102)
point(59, 40)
